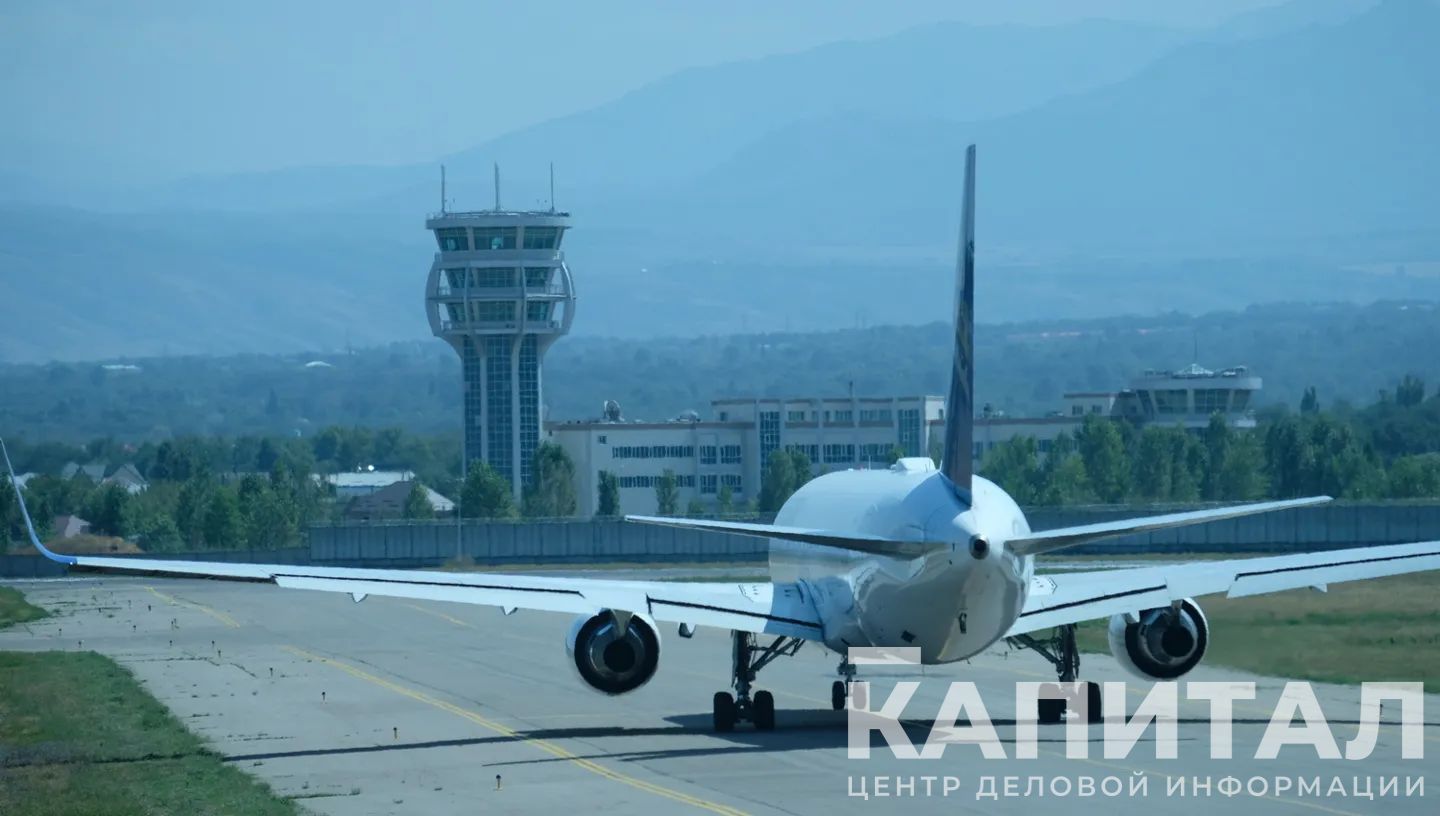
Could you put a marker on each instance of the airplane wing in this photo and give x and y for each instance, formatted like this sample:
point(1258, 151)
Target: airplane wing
point(1051, 540)
point(1064, 598)
point(857, 542)
point(769, 608)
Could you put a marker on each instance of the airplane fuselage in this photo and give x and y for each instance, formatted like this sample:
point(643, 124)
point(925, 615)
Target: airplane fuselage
point(949, 603)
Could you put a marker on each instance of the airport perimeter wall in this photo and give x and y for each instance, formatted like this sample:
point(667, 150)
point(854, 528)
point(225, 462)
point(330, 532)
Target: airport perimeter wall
point(401, 545)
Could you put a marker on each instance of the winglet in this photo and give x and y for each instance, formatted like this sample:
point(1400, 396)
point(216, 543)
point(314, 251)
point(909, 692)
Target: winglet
point(960, 402)
point(25, 513)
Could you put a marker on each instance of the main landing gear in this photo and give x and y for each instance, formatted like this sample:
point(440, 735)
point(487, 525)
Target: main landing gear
point(840, 689)
point(747, 660)
point(1055, 698)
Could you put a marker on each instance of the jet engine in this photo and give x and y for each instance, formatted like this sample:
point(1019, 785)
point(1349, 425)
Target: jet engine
point(615, 652)
point(1160, 644)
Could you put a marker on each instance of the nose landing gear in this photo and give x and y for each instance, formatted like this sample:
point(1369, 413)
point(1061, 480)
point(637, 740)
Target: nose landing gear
point(840, 689)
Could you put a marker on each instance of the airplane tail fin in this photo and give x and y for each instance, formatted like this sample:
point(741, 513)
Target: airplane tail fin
point(960, 402)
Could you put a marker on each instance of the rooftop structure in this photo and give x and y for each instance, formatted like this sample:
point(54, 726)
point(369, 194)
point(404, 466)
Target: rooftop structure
point(499, 292)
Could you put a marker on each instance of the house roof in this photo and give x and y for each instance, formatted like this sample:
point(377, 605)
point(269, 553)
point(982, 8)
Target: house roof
point(389, 502)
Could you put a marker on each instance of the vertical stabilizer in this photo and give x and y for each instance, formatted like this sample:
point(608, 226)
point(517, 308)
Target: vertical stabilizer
point(960, 403)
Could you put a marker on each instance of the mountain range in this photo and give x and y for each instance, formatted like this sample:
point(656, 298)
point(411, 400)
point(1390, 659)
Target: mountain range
point(1124, 168)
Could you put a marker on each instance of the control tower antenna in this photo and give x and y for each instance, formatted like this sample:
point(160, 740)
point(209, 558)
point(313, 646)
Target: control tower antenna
point(552, 186)
point(442, 189)
point(497, 186)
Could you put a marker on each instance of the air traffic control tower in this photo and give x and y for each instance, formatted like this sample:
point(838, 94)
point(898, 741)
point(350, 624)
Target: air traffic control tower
point(500, 293)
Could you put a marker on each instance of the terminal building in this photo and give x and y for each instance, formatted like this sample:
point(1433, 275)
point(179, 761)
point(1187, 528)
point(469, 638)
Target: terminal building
point(730, 448)
point(500, 293)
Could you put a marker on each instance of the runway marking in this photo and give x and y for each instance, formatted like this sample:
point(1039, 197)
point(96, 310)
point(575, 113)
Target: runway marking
point(441, 616)
point(214, 613)
point(544, 745)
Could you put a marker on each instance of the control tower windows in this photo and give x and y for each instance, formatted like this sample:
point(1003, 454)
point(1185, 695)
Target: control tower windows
point(1172, 401)
point(493, 278)
point(1211, 400)
point(1241, 401)
point(537, 311)
point(494, 310)
point(537, 277)
point(494, 238)
point(542, 237)
point(452, 239)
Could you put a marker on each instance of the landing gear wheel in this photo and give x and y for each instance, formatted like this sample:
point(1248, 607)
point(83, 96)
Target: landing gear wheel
point(762, 711)
point(724, 711)
point(838, 695)
point(1050, 706)
point(1094, 707)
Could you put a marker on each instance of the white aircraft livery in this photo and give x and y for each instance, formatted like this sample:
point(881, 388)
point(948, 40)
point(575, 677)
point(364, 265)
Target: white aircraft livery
point(935, 559)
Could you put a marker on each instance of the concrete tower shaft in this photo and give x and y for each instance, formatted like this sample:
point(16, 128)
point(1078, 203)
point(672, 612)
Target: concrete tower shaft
point(500, 293)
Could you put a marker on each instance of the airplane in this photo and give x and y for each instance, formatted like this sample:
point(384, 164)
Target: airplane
point(937, 559)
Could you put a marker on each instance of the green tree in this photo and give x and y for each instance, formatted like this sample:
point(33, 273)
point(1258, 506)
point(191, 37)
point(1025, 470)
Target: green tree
point(1062, 474)
point(106, 510)
point(551, 493)
point(609, 495)
point(667, 494)
point(1242, 473)
point(190, 509)
point(486, 494)
point(417, 503)
point(224, 525)
point(1014, 465)
point(778, 482)
point(1415, 477)
point(695, 508)
point(1153, 465)
point(1103, 451)
point(1310, 402)
point(10, 520)
point(800, 464)
point(725, 500)
point(1410, 392)
point(1217, 440)
point(270, 513)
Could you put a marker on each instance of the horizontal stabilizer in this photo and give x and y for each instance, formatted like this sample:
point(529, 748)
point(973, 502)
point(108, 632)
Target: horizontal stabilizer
point(1059, 539)
point(855, 542)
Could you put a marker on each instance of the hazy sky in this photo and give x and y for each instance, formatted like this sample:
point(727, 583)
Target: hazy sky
point(148, 91)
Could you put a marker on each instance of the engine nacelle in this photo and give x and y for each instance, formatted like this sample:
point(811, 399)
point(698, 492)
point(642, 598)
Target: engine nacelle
point(1162, 644)
point(607, 660)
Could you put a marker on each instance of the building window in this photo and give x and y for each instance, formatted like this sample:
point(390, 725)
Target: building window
point(537, 277)
point(452, 239)
point(875, 414)
point(708, 454)
point(875, 452)
point(724, 416)
point(839, 454)
point(494, 310)
point(910, 431)
point(733, 481)
point(1095, 409)
point(494, 238)
point(729, 454)
point(537, 311)
point(977, 450)
point(602, 440)
point(795, 416)
point(1045, 445)
point(846, 417)
point(1172, 401)
point(769, 433)
point(812, 452)
point(1211, 400)
point(1077, 410)
point(494, 277)
point(709, 484)
point(542, 237)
